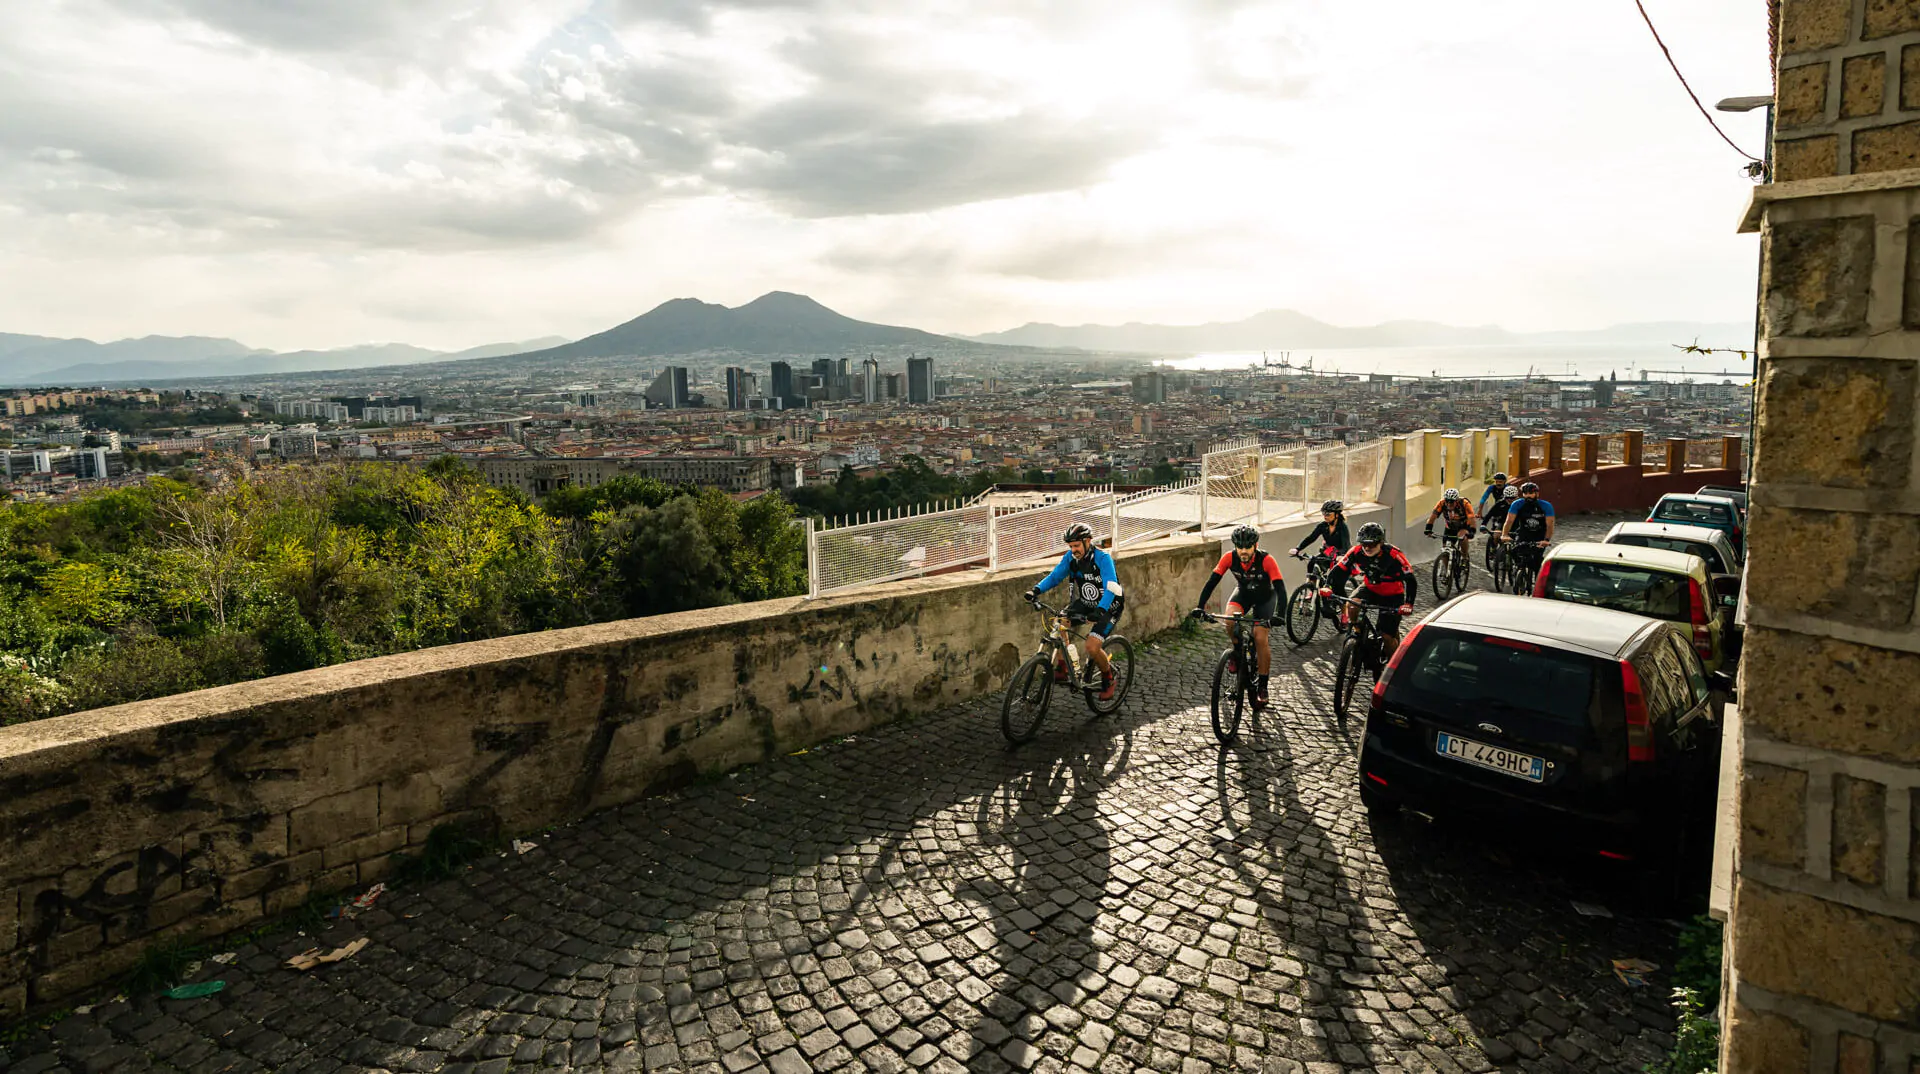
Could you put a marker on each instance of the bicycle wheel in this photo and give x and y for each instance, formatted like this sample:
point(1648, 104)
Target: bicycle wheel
point(1491, 545)
point(1027, 696)
point(1346, 677)
point(1303, 613)
point(1120, 653)
point(1442, 575)
point(1229, 698)
point(1520, 579)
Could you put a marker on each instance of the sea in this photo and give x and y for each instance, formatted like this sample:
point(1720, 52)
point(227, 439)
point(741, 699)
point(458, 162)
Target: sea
point(1579, 361)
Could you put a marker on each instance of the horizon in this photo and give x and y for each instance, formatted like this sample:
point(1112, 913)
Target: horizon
point(396, 174)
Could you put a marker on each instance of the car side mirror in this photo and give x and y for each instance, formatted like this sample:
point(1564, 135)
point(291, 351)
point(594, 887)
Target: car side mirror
point(1722, 681)
point(1726, 589)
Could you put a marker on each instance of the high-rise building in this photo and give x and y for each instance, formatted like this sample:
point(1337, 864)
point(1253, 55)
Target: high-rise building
point(896, 385)
point(870, 381)
point(782, 377)
point(1150, 388)
point(669, 390)
point(919, 380)
point(739, 387)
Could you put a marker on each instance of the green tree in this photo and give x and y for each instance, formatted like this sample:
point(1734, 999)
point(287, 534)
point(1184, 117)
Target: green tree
point(662, 560)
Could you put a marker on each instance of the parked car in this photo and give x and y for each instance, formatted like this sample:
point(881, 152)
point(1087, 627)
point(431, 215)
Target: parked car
point(1655, 582)
point(1737, 495)
point(1693, 509)
point(1600, 725)
point(1706, 542)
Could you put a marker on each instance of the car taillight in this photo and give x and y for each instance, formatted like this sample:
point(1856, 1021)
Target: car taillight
point(1393, 662)
point(1639, 732)
point(1697, 612)
point(1540, 580)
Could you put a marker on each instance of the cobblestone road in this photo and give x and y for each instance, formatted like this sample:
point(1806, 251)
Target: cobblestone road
point(1119, 894)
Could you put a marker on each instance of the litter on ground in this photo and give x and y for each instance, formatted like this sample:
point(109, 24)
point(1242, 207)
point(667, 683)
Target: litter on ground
point(194, 991)
point(313, 956)
point(1633, 971)
point(1587, 909)
point(521, 846)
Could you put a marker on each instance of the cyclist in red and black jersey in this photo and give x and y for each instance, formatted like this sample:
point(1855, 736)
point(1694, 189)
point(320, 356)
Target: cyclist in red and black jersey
point(1384, 573)
point(1332, 530)
point(1459, 514)
point(1257, 582)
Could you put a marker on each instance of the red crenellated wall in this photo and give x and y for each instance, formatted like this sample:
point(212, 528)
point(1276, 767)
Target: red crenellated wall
point(1620, 488)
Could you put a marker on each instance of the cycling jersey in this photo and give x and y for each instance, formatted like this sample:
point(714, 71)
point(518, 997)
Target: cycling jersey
point(1456, 512)
point(1383, 575)
point(1497, 515)
point(1256, 582)
point(1335, 536)
point(1530, 518)
point(1494, 493)
point(1093, 584)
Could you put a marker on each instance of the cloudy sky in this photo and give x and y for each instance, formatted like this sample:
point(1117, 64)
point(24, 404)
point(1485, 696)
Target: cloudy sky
point(301, 173)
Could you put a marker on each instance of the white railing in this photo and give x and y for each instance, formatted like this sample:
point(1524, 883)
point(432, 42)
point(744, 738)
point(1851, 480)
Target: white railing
point(1238, 482)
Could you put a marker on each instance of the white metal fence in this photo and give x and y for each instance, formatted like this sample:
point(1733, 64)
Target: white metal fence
point(1241, 481)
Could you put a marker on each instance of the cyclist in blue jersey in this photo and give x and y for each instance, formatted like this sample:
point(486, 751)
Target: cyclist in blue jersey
point(1493, 494)
point(1529, 525)
point(1095, 598)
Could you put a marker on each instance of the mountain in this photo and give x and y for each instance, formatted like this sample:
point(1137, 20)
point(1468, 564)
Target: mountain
point(1284, 329)
point(775, 323)
point(214, 358)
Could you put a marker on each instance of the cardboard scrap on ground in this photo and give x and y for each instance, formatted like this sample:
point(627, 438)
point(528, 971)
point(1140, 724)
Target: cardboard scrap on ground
point(521, 846)
point(1633, 971)
point(313, 956)
point(1587, 909)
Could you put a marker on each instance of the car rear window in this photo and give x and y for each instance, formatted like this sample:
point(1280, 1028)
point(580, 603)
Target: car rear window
point(1463, 675)
point(1693, 511)
point(1658, 594)
point(1675, 544)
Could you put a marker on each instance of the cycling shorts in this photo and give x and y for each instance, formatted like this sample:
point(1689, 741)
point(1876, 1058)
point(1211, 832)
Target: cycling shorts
point(1101, 624)
point(1389, 608)
point(1266, 608)
point(1454, 529)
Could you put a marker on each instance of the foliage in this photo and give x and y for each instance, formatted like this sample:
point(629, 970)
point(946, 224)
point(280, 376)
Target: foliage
point(1698, 965)
point(182, 583)
point(912, 483)
point(446, 853)
point(1696, 1038)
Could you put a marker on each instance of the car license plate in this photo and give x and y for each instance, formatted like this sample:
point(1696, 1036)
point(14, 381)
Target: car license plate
point(1532, 769)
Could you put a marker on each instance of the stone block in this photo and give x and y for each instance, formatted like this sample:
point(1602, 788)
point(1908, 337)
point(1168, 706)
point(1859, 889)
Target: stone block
point(1884, 149)
point(9, 918)
point(1910, 307)
point(1819, 273)
point(13, 1001)
point(1863, 85)
point(1806, 25)
point(1806, 158)
point(1859, 830)
point(1870, 970)
point(1910, 78)
point(1803, 96)
point(410, 799)
point(71, 978)
point(247, 845)
point(1838, 422)
point(374, 870)
point(334, 818)
point(1773, 815)
point(1761, 1042)
point(1874, 563)
point(354, 851)
point(1888, 17)
point(1831, 694)
point(167, 913)
point(1855, 1055)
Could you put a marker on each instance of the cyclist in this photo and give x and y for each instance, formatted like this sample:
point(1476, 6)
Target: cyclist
point(1332, 530)
point(1496, 515)
point(1256, 577)
point(1494, 493)
point(1096, 598)
point(1384, 573)
point(1529, 524)
point(1459, 514)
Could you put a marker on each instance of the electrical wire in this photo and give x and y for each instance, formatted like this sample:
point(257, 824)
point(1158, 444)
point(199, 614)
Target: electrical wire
point(1683, 84)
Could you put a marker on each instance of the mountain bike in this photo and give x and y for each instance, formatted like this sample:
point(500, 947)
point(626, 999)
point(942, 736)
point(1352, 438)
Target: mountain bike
point(1241, 660)
point(1305, 607)
point(1523, 563)
point(1452, 569)
point(1499, 560)
point(1030, 691)
point(1363, 651)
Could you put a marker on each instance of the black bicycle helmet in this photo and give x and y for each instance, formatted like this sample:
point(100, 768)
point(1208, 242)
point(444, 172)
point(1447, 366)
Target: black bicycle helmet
point(1245, 537)
point(1529, 487)
point(1500, 479)
point(1332, 507)
point(1371, 533)
point(1079, 531)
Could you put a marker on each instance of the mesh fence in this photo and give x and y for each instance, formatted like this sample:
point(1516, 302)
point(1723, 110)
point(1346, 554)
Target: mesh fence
point(1285, 476)
point(1158, 512)
point(1034, 533)
point(1230, 475)
point(853, 556)
point(1327, 474)
point(1367, 470)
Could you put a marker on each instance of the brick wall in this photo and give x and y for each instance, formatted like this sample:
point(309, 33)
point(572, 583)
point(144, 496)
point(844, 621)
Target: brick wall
point(193, 815)
point(1823, 956)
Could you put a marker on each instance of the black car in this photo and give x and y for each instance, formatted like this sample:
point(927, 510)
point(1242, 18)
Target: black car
point(1599, 726)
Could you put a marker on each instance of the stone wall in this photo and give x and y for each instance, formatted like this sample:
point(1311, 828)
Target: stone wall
point(1823, 956)
point(198, 814)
